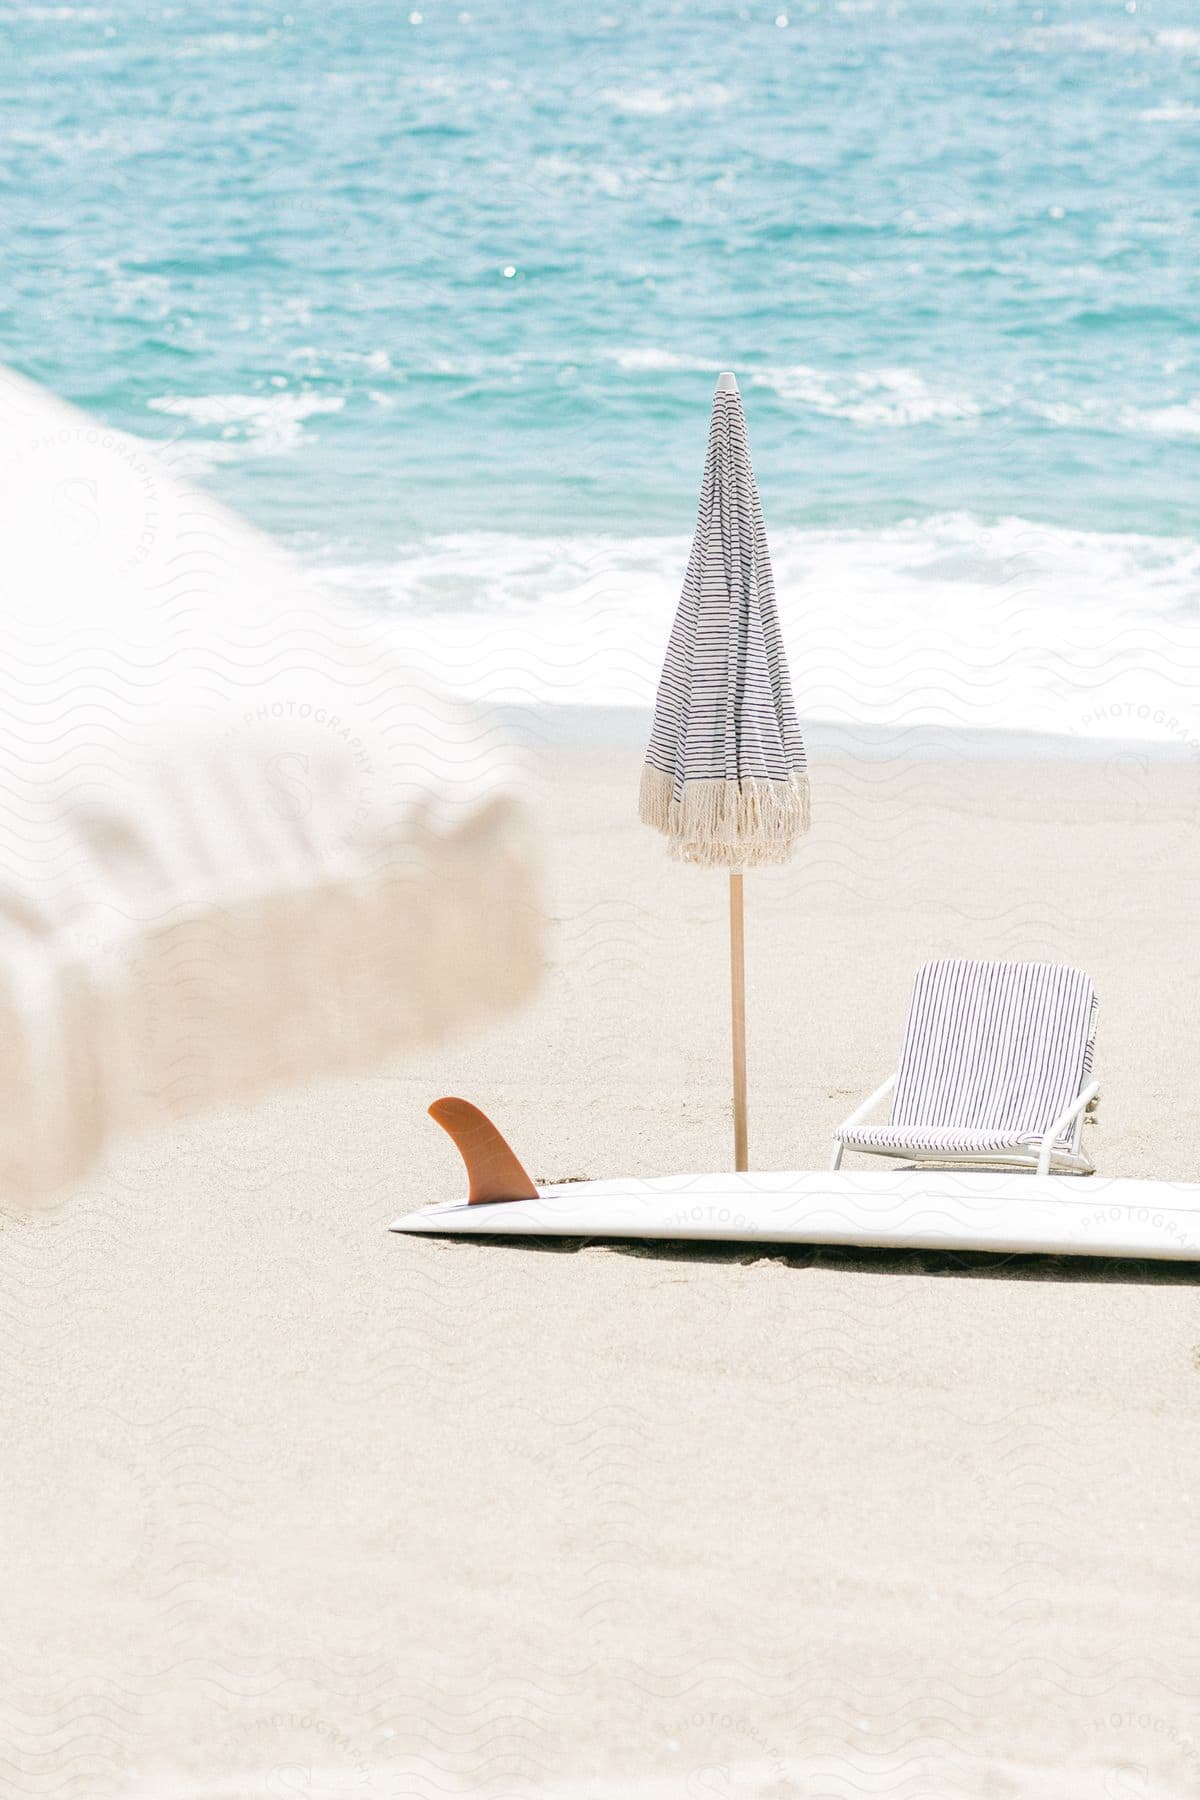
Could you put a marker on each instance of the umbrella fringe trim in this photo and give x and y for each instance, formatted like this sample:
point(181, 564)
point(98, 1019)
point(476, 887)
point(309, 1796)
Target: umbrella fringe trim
point(724, 824)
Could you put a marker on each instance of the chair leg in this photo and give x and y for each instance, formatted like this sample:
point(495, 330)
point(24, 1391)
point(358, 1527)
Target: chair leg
point(837, 1156)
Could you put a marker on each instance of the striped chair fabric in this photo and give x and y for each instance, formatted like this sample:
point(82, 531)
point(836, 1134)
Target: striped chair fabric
point(993, 1054)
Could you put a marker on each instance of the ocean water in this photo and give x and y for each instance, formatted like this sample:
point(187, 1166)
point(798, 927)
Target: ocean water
point(437, 294)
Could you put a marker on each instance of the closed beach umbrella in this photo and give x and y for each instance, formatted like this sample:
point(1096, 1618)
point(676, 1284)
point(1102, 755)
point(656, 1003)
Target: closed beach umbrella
point(240, 845)
point(725, 778)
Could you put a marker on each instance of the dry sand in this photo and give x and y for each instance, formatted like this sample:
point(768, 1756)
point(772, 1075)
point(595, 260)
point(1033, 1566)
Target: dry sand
point(295, 1507)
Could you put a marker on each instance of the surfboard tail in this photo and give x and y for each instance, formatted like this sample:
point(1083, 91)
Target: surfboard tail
point(493, 1171)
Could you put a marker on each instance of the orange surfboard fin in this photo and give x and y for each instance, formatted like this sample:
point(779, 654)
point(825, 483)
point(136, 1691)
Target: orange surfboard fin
point(492, 1167)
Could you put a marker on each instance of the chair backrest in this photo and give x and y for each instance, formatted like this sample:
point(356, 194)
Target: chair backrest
point(997, 1045)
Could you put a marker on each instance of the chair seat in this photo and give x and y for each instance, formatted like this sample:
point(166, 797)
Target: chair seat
point(935, 1140)
point(1004, 1049)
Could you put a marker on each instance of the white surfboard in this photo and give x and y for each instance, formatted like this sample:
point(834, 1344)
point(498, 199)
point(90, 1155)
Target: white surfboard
point(1056, 1215)
point(1059, 1215)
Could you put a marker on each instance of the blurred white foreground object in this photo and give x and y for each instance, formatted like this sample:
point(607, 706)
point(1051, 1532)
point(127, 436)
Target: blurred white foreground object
point(239, 845)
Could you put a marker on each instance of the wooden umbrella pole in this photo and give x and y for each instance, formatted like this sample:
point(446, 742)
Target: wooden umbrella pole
point(737, 990)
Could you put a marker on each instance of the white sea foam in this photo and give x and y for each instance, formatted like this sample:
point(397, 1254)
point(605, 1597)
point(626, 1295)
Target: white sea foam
point(248, 426)
point(222, 43)
point(615, 179)
point(943, 621)
point(1182, 420)
point(1171, 114)
point(655, 102)
point(645, 359)
point(1064, 412)
point(1080, 35)
point(1179, 37)
point(1174, 419)
point(868, 396)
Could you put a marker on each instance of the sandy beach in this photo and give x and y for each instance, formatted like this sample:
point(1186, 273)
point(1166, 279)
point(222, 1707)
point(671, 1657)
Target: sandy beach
point(297, 1507)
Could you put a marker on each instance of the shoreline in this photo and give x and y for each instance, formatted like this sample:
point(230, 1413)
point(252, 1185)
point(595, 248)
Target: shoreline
point(616, 728)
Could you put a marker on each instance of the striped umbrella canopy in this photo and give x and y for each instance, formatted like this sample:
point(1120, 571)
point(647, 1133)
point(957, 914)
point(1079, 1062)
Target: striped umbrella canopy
point(726, 777)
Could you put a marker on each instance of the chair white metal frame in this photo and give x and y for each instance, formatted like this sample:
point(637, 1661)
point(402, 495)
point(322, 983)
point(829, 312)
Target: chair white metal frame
point(995, 1072)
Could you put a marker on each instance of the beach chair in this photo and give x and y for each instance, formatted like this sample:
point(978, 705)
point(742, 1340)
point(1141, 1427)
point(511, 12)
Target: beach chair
point(995, 1071)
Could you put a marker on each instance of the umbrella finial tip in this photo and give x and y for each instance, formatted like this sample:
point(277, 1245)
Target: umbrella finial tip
point(727, 382)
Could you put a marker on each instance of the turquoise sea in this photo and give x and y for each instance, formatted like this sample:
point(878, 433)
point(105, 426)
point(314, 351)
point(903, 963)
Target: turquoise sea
point(437, 293)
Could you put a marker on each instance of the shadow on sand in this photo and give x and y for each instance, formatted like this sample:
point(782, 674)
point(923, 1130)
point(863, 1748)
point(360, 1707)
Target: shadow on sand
point(966, 1265)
